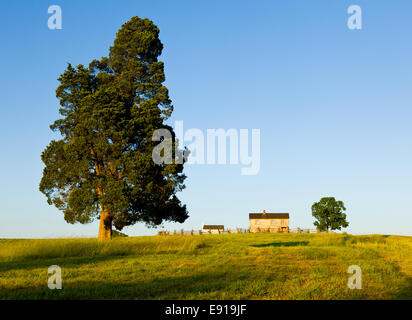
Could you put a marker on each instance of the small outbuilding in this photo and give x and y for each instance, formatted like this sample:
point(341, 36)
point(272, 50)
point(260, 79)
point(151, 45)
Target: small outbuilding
point(213, 228)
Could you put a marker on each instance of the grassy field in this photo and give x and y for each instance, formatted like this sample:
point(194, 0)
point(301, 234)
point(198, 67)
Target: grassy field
point(229, 266)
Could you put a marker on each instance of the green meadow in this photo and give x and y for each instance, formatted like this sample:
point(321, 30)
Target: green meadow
point(227, 266)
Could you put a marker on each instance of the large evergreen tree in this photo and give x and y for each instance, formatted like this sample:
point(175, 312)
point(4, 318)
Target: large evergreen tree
point(103, 167)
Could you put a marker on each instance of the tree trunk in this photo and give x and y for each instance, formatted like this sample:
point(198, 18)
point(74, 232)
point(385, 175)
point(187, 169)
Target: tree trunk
point(105, 228)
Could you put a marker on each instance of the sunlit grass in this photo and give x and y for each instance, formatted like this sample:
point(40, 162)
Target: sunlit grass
point(21, 250)
point(228, 266)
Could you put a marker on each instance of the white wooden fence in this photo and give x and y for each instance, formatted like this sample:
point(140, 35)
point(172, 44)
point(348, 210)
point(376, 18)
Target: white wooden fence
point(237, 230)
point(199, 232)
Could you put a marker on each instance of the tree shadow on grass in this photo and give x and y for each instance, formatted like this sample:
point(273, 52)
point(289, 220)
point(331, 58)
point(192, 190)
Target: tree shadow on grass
point(281, 244)
point(28, 264)
point(211, 284)
point(405, 293)
point(184, 287)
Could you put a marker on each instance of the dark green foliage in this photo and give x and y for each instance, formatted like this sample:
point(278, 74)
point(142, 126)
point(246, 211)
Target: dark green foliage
point(118, 234)
point(110, 110)
point(330, 214)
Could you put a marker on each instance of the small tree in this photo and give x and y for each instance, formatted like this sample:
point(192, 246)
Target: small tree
point(330, 214)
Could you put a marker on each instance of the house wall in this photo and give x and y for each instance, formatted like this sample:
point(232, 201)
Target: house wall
point(267, 224)
point(212, 231)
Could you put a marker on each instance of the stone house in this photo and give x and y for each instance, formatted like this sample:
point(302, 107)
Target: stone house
point(269, 222)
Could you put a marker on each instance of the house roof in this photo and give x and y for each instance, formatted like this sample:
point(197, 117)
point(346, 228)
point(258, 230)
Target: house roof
point(215, 227)
point(268, 215)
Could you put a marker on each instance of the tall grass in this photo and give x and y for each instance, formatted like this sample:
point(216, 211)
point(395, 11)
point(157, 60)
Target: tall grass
point(227, 266)
point(20, 250)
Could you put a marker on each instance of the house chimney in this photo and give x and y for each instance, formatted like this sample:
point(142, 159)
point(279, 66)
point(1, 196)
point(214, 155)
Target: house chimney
point(264, 211)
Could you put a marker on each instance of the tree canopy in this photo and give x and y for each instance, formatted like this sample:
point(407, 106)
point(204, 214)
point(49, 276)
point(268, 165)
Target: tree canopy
point(102, 167)
point(329, 214)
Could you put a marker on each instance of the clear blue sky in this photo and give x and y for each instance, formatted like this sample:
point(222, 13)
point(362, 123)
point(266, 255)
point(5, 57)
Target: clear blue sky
point(333, 105)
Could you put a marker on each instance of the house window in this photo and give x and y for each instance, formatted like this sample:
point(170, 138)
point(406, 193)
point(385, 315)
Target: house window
point(256, 221)
point(273, 221)
point(283, 222)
